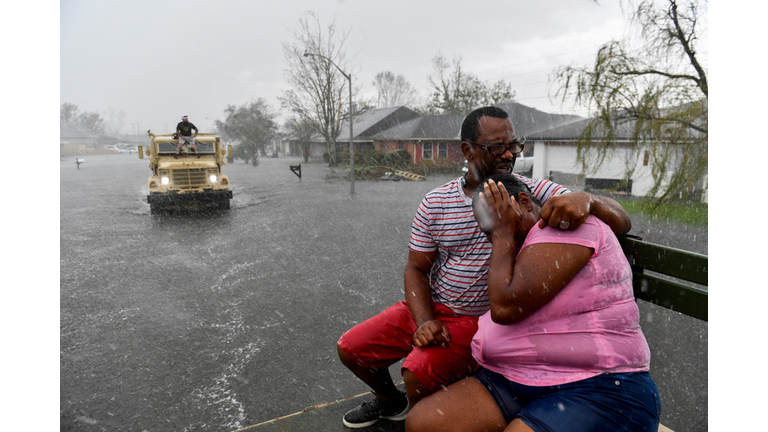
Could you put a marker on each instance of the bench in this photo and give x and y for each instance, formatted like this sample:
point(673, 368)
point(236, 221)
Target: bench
point(668, 277)
point(665, 276)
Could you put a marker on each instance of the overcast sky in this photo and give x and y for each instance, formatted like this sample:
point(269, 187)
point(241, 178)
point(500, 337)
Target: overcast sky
point(157, 60)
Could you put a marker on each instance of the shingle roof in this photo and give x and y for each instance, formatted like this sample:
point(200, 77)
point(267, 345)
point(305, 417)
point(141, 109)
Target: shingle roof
point(425, 127)
point(573, 131)
point(373, 122)
point(528, 121)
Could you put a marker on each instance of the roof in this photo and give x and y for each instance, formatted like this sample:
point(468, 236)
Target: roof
point(573, 131)
point(528, 121)
point(372, 123)
point(425, 127)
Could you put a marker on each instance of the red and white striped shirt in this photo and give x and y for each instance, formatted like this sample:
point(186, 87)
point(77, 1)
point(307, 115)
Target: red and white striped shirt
point(444, 222)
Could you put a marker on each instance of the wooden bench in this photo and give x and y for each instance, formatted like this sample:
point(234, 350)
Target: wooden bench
point(665, 276)
point(668, 277)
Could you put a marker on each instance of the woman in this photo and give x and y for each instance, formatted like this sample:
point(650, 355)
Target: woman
point(561, 348)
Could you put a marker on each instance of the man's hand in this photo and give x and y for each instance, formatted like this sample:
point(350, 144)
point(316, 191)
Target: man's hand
point(572, 209)
point(432, 332)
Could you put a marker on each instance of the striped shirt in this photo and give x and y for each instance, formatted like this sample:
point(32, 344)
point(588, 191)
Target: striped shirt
point(444, 223)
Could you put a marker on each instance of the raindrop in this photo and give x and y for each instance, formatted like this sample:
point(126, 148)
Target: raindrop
point(560, 406)
point(440, 412)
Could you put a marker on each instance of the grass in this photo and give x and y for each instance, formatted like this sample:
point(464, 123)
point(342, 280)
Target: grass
point(691, 214)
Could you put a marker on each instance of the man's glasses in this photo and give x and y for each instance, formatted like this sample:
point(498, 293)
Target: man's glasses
point(515, 147)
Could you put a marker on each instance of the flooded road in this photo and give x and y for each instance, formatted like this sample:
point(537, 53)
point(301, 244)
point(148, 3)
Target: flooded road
point(217, 322)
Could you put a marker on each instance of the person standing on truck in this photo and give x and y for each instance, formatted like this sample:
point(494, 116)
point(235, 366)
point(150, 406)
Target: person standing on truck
point(184, 132)
point(561, 348)
point(445, 276)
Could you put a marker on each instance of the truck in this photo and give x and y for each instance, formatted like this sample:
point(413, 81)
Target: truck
point(187, 181)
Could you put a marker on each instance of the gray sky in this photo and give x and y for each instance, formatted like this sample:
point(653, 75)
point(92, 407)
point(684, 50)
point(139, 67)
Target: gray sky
point(158, 60)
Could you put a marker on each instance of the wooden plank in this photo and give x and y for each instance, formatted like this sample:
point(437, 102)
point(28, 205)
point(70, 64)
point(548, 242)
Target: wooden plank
point(671, 295)
point(678, 263)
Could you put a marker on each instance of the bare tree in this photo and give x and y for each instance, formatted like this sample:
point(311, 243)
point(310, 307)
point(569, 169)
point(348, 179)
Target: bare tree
point(393, 90)
point(317, 94)
point(253, 124)
point(455, 91)
point(87, 121)
point(115, 120)
point(657, 86)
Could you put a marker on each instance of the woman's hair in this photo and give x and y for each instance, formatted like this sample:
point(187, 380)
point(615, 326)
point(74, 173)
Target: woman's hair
point(513, 185)
point(471, 124)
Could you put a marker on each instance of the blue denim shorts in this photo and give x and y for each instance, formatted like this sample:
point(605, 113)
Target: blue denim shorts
point(609, 403)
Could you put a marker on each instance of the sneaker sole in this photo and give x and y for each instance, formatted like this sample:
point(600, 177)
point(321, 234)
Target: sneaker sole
point(359, 425)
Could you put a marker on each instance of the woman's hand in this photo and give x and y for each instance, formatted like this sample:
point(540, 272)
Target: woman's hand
point(504, 213)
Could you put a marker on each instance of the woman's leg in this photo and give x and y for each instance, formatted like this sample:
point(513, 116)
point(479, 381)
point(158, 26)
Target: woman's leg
point(464, 406)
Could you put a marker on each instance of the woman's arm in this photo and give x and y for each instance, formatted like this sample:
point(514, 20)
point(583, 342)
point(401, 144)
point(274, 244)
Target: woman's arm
point(518, 287)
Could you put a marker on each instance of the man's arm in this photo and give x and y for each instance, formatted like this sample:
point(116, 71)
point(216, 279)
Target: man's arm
point(574, 207)
point(418, 295)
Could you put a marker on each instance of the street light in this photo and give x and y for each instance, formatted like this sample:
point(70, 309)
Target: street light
point(351, 144)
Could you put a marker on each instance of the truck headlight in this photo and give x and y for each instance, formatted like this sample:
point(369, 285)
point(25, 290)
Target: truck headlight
point(165, 180)
point(213, 178)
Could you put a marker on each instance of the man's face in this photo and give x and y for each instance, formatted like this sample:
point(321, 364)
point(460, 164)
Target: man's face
point(492, 131)
point(185, 120)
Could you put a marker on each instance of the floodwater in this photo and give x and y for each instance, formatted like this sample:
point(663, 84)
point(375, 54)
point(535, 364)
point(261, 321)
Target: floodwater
point(217, 322)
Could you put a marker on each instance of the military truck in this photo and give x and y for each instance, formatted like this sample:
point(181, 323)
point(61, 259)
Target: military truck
point(187, 181)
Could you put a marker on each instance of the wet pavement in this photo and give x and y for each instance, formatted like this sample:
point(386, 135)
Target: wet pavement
point(221, 321)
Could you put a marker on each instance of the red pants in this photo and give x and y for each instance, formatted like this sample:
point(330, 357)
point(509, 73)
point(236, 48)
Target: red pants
point(388, 337)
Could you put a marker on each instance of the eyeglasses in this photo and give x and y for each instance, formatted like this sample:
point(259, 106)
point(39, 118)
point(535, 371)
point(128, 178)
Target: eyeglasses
point(515, 147)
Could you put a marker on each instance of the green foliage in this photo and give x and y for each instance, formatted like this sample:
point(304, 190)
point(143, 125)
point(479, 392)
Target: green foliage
point(253, 125)
point(690, 213)
point(655, 95)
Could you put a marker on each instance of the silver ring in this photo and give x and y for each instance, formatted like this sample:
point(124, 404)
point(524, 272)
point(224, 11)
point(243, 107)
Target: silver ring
point(564, 225)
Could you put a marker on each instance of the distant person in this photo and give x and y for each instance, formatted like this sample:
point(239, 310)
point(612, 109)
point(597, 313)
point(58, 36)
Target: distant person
point(446, 275)
point(184, 132)
point(561, 349)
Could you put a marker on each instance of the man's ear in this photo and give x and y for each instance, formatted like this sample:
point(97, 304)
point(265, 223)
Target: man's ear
point(466, 149)
point(523, 200)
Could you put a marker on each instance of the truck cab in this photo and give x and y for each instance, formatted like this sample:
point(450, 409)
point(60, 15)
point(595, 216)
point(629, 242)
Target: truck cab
point(187, 181)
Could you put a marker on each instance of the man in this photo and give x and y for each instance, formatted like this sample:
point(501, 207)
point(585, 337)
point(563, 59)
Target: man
point(184, 131)
point(446, 276)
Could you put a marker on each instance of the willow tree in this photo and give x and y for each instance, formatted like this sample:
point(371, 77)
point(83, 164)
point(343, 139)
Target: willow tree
point(318, 92)
point(654, 86)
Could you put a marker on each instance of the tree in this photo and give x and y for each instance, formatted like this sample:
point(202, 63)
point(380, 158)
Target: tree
point(253, 124)
point(458, 92)
point(393, 90)
point(115, 119)
point(87, 121)
point(655, 85)
point(301, 131)
point(318, 91)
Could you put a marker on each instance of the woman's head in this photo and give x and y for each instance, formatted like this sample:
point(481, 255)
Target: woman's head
point(529, 205)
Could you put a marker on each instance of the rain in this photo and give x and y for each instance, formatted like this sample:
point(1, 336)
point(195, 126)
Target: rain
point(223, 320)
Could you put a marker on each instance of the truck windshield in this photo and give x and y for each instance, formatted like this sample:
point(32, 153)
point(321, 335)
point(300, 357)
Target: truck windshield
point(170, 147)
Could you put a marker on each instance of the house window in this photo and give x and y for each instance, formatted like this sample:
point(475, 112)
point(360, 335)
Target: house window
point(401, 145)
point(426, 150)
point(442, 150)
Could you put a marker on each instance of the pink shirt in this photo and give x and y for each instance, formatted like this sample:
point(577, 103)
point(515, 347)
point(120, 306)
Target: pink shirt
point(591, 327)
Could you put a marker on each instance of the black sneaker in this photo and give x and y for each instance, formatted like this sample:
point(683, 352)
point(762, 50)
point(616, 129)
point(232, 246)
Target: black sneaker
point(374, 410)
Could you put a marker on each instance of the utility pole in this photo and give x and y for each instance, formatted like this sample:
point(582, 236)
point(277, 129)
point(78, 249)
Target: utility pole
point(351, 143)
